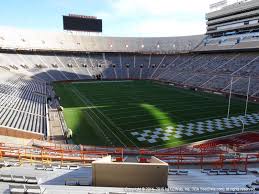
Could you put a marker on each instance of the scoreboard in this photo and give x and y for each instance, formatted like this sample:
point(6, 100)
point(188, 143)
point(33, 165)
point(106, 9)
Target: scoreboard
point(82, 23)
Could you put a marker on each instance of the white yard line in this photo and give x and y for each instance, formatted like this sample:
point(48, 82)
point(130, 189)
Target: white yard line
point(170, 112)
point(158, 103)
point(94, 121)
point(132, 122)
point(84, 100)
point(97, 82)
point(185, 106)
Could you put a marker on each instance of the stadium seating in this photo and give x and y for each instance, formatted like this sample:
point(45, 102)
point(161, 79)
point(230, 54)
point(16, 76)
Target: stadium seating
point(207, 71)
point(49, 162)
point(25, 75)
point(23, 103)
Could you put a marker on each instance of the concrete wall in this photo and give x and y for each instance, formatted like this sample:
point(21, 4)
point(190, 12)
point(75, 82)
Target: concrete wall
point(5, 131)
point(119, 174)
point(76, 42)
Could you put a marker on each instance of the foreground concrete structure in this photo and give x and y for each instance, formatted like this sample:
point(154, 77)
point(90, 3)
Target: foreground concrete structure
point(107, 173)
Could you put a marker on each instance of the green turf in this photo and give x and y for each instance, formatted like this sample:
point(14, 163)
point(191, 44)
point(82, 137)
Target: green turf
point(105, 113)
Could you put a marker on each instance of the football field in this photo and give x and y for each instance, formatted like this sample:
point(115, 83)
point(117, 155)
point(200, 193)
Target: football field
point(148, 114)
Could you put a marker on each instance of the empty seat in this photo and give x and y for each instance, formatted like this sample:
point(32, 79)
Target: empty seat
point(6, 178)
point(71, 181)
point(33, 189)
point(40, 167)
point(19, 179)
point(83, 182)
point(31, 180)
point(73, 167)
point(17, 189)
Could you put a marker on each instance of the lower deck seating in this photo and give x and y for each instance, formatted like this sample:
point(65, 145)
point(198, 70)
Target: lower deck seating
point(18, 179)
point(208, 71)
point(224, 172)
point(23, 103)
point(178, 172)
point(22, 189)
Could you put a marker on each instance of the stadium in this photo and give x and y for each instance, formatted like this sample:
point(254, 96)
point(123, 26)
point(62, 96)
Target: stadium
point(86, 113)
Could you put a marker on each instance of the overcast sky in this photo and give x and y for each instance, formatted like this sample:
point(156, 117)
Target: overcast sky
point(120, 17)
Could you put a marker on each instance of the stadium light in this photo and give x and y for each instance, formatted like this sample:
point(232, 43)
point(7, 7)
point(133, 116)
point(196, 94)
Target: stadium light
point(243, 128)
point(127, 46)
point(158, 46)
point(111, 45)
point(142, 46)
point(247, 95)
point(230, 95)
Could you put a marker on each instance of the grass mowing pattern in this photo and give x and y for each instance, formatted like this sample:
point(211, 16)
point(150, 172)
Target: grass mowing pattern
point(105, 113)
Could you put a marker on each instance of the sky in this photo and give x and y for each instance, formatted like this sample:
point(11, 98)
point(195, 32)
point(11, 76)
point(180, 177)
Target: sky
point(120, 17)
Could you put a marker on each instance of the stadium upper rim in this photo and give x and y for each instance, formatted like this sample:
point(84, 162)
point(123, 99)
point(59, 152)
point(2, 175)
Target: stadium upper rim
point(22, 39)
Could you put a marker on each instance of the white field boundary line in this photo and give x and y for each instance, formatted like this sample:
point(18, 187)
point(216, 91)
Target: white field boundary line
point(183, 122)
point(166, 110)
point(180, 110)
point(154, 102)
point(143, 121)
point(98, 82)
point(154, 119)
point(83, 100)
point(113, 124)
point(203, 95)
point(156, 105)
point(170, 99)
point(133, 112)
point(107, 100)
point(140, 113)
point(135, 109)
point(117, 81)
point(118, 130)
point(174, 94)
point(121, 81)
point(94, 122)
point(210, 135)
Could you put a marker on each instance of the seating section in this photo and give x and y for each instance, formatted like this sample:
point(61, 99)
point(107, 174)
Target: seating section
point(212, 172)
point(24, 76)
point(18, 179)
point(62, 41)
point(55, 167)
point(247, 40)
point(206, 71)
point(8, 164)
point(23, 103)
point(177, 172)
point(214, 72)
point(76, 182)
point(22, 189)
